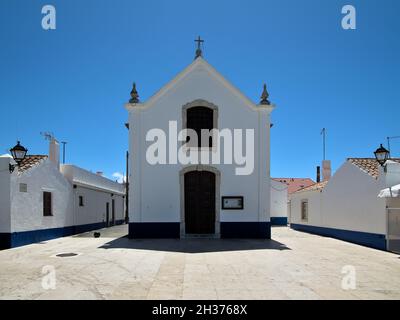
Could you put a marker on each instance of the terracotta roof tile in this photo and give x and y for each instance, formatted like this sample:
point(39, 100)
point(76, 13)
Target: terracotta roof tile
point(315, 187)
point(295, 184)
point(30, 161)
point(368, 165)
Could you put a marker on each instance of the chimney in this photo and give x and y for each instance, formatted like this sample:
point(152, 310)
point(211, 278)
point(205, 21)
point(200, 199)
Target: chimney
point(326, 170)
point(100, 173)
point(318, 174)
point(54, 152)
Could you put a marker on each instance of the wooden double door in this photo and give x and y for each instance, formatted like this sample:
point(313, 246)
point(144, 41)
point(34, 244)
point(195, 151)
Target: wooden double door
point(200, 202)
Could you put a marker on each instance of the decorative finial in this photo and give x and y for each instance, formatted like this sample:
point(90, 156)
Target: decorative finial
point(264, 96)
point(134, 95)
point(198, 51)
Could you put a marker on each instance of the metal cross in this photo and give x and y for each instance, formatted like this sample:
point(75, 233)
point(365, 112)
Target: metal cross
point(199, 42)
point(198, 51)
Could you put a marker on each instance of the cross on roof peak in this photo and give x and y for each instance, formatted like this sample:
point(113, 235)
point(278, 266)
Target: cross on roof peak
point(198, 51)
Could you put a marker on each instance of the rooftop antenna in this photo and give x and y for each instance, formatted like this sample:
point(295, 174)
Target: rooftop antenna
point(47, 135)
point(323, 132)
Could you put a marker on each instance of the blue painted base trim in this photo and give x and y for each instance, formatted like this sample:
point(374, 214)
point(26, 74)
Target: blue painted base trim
point(5, 240)
point(17, 239)
point(372, 240)
point(160, 230)
point(119, 222)
point(89, 227)
point(279, 221)
point(246, 230)
point(155, 230)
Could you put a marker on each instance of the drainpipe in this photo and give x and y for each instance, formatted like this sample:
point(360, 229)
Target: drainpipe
point(127, 189)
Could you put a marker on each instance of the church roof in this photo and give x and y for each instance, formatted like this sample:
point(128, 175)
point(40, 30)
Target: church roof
point(198, 63)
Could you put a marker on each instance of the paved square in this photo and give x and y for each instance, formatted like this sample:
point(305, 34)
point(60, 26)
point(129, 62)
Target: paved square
point(293, 265)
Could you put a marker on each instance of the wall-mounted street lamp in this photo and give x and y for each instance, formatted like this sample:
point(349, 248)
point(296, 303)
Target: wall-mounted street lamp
point(381, 155)
point(18, 153)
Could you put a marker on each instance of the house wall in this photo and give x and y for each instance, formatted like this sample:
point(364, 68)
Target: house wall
point(156, 195)
point(5, 203)
point(314, 199)
point(348, 208)
point(351, 202)
point(25, 223)
point(27, 207)
point(5, 193)
point(96, 191)
point(279, 203)
point(94, 206)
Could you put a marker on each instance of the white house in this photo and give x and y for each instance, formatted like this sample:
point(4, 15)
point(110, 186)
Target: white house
point(281, 191)
point(347, 205)
point(41, 200)
point(183, 190)
point(279, 203)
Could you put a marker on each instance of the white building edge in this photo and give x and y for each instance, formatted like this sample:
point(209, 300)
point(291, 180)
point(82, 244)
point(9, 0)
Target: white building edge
point(358, 204)
point(42, 200)
point(279, 203)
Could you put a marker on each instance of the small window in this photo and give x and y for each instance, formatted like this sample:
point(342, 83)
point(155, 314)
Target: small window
point(23, 187)
point(81, 204)
point(304, 210)
point(47, 205)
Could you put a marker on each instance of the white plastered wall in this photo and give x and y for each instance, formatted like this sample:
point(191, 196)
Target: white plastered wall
point(155, 191)
point(27, 207)
point(279, 199)
point(94, 206)
point(348, 202)
point(5, 194)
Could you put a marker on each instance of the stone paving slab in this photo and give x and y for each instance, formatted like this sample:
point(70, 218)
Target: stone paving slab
point(294, 265)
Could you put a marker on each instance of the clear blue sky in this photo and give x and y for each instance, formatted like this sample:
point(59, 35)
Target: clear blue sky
point(74, 81)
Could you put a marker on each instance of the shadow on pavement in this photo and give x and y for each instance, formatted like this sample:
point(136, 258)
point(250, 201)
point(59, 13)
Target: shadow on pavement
point(194, 245)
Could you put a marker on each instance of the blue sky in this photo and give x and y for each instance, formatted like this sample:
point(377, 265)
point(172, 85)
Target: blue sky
point(73, 81)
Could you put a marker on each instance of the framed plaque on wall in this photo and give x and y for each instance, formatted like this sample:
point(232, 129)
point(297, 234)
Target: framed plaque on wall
point(232, 203)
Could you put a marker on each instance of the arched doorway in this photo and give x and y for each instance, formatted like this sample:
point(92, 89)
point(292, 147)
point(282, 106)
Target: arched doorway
point(200, 202)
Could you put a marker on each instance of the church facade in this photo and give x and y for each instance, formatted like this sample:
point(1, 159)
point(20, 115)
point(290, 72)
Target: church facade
point(199, 159)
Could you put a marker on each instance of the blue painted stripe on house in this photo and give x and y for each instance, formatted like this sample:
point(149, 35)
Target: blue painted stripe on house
point(246, 230)
point(17, 239)
point(155, 230)
point(119, 222)
point(27, 237)
point(372, 240)
point(279, 221)
point(89, 227)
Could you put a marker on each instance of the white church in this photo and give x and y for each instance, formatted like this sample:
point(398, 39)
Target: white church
point(199, 159)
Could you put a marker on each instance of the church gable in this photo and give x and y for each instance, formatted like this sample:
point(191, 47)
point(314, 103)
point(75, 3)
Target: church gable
point(199, 73)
